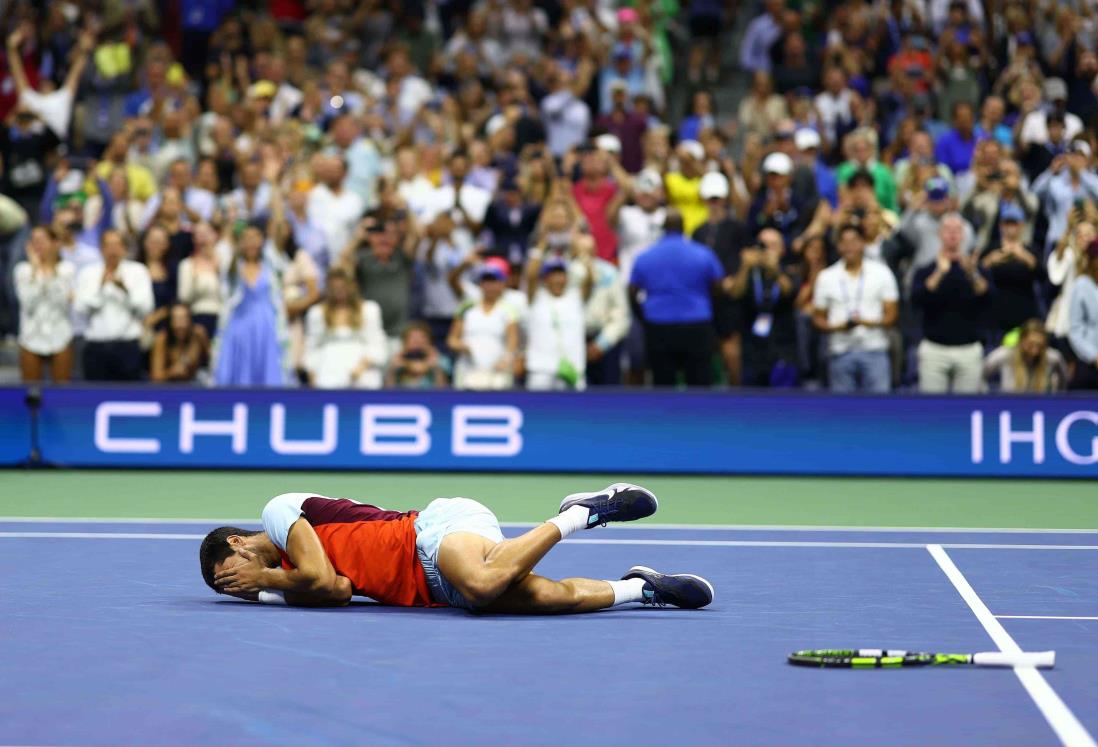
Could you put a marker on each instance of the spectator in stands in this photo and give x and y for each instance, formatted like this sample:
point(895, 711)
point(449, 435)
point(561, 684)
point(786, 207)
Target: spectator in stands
point(252, 328)
point(952, 294)
point(154, 254)
point(1062, 266)
point(598, 193)
point(1035, 124)
point(115, 295)
point(567, 119)
point(382, 255)
point(181, 349)
point(1002, 186)
point(920, 227)
point(199, 280)
point(300, 276)
point(556, 348)
point(761, 35)
point(761, 109)
point(684, 186)
point(766, 292)
point(417, 365)
point(511, 220)
point(484, 336)
point(439, 254)
point(807, 142)
point(677, 278)
point(1028, 366)
point(955, 149)
point(777, 205)
point(1038, 156)
point(345, 344)
point(333, 207)
point(854, 302)
point(1066, 184)
point(44, 284)
point(727, 237)
point(860, 148)
point(1013, 271)
point(606, 311)
point(1083, 321)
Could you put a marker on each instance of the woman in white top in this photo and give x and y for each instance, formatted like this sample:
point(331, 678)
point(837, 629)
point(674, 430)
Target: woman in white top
point(345, 344)
point(485, 336)
point(199, 282)
point(44, 285)
point(1030, 365)
point(556, 345)
point(1063, 269)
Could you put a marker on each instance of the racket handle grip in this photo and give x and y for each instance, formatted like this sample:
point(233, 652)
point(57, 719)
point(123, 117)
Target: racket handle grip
point(1039, 659)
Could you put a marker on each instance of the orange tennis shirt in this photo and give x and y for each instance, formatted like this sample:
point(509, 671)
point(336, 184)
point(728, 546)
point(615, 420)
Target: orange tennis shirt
point(374, 548)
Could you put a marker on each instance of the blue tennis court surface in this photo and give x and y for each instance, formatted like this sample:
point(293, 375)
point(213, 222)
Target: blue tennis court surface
point(110, 637)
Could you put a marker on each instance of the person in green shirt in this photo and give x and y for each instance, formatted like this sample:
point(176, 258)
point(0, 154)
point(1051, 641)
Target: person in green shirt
point(861, 153)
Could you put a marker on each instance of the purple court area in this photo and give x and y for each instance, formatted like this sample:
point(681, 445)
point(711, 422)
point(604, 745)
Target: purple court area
point(110, 637)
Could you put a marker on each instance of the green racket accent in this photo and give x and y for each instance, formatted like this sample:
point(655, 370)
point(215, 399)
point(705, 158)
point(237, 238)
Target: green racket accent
point(874, 658)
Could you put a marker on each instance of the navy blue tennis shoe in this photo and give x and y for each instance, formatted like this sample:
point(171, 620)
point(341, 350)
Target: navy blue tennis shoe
point(683, 590)
point(618, 502)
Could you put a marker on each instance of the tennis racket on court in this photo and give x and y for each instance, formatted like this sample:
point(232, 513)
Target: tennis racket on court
point(876, 658)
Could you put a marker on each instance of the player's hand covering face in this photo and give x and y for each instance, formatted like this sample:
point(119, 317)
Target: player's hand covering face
point(240, 575)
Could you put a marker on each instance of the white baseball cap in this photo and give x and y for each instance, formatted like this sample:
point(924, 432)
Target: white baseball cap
point(778, 163)
point(609, 143)
point(693, 148)
point(806, 139)
point(714, 185)
point(648, 180)
point(496, 123)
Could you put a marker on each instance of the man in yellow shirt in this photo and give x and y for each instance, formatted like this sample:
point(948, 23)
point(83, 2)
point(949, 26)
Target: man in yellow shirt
point(684, 186)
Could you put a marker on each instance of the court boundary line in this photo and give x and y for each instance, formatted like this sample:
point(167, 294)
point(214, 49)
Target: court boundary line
point(630, 526)
point(1063, 722)
point(1047, 617)
point(600, 541)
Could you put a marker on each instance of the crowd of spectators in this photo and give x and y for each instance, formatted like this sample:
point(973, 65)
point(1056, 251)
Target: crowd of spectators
point(500, 193)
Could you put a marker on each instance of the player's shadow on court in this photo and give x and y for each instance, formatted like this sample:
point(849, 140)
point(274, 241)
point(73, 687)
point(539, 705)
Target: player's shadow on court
point(376, 608)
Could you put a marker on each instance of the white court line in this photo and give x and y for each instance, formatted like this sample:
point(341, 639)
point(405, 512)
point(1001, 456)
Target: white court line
point(673, 543)
point(1059, 716)
point(630, 526)
point(1044, 617)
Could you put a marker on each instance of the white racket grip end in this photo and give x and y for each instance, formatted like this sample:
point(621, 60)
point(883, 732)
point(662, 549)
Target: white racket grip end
point(1039, 659)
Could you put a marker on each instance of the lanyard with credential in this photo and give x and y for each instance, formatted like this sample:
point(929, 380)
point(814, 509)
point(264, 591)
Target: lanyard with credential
point(853, 309)
point(775, 291)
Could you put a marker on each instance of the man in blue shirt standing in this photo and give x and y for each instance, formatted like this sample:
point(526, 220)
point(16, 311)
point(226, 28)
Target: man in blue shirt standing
point(672, 285)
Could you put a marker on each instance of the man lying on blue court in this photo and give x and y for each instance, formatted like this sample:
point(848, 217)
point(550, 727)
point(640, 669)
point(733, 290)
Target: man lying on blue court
point(319, 551)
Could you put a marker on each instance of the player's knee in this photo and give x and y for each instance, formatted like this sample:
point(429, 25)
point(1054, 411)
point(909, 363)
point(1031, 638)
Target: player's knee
point(482, 588)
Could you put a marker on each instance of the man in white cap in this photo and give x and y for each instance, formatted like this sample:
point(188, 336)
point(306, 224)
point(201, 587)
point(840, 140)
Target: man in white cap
point(777, 205)
point(684, 186)
point(807, 142)
point(727, 237)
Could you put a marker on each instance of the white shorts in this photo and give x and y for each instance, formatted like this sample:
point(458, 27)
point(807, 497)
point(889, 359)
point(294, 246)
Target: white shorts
point(445, 516)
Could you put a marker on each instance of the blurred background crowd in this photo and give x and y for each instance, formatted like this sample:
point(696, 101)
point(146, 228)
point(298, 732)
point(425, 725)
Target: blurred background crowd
point(551, 194)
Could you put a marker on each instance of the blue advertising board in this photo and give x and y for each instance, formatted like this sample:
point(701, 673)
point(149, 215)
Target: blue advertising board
point(15, 438)
point(616, 431)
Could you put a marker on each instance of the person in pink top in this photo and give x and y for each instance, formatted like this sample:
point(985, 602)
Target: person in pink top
point(602, 182)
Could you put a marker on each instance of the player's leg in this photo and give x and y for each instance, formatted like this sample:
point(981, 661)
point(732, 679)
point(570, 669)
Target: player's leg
point(481, 565)
point(537, 595)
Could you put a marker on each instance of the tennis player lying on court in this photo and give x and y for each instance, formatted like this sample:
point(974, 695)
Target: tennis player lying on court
point(318, 551)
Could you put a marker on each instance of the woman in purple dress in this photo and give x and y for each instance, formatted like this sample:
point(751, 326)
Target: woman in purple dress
point(253, 322)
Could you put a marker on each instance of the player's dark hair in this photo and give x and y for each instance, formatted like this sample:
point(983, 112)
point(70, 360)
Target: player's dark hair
point(215, 548)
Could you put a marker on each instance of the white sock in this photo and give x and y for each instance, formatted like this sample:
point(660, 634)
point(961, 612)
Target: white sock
point(629, 590)
point(571, 520)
